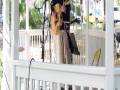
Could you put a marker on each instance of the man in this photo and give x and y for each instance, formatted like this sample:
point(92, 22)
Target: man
point(60, 24)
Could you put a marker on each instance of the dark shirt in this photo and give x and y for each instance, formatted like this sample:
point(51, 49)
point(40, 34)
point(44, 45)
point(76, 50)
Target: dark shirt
point(66, 18)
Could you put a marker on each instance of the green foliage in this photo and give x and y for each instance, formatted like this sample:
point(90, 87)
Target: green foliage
point(118, 2)
point(36, 19)
point(75, 9)
point(78, 10)
point(22, 7)
point(22, 24)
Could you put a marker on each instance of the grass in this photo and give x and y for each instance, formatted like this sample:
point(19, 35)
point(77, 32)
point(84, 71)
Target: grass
point(1, 68)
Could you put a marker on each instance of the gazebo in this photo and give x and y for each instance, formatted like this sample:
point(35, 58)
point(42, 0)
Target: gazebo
point(21, 74)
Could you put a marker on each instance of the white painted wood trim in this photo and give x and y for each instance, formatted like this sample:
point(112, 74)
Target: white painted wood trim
point(96, 33)
point(93, 70)
point(19, 83)
point(58, 86)
point(87, 34)
point(90, 88)
point(82, 87)
point(44, 85)
point(25, 84)
point(14, 29)
point(51, 85)
point(31, 84)
point(109, 45)
point(66, 87)
point(13, 79)
point(14, 39)
point(37, 85)
point(73, 87)
point(51, 72)
point(99, 88)
point(116, 71)
point(6, 46)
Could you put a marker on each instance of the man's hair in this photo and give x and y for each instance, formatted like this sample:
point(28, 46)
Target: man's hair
point(66, 0)
point(54, 2)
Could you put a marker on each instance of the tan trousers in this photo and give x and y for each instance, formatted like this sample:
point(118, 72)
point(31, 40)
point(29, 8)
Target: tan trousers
point(61, 48)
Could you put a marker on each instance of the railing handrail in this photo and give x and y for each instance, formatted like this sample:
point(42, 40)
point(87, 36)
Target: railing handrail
point(92, 32)
point(91, 70)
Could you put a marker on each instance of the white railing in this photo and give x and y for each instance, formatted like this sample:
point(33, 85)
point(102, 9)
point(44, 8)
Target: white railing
point(31, 41)
point(44, 76)
point(54, 77)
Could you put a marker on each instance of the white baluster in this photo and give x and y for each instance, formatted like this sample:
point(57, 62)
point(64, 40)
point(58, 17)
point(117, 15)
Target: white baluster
point(51, 85)
point(41, 85)
point(25, 84)
point(66, 87)
point(58, 86)
point(99, 88)
point(37, 85)
point(31, 85)
point(90, 88)
point(44, 85)
point(19, 83)
point(82, 88)
point(73, 87)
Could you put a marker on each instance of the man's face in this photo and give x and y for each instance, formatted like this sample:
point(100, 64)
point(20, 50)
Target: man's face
point(57, 8)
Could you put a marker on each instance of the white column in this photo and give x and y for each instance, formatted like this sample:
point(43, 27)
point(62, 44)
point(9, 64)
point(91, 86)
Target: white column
point(87, 34)
point(5, 85)
point(109, 46)
point(14, 29)
point(14, 38)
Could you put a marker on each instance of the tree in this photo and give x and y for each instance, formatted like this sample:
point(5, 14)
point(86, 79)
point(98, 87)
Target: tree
point(22, 9)
point(118, 2)
point(35, 18)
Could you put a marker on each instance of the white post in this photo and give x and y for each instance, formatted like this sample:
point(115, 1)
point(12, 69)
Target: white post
point(14, 29)
point(5, 85)
point(14, 38)
point(87, 34)
point(109, 46)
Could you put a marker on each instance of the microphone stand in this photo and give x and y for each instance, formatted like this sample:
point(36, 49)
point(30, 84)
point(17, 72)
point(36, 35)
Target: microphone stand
point(43, 39)
point(43, 34)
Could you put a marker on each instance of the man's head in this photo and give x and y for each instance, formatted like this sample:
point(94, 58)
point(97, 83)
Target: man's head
point(56, 5)
point(66, 0)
